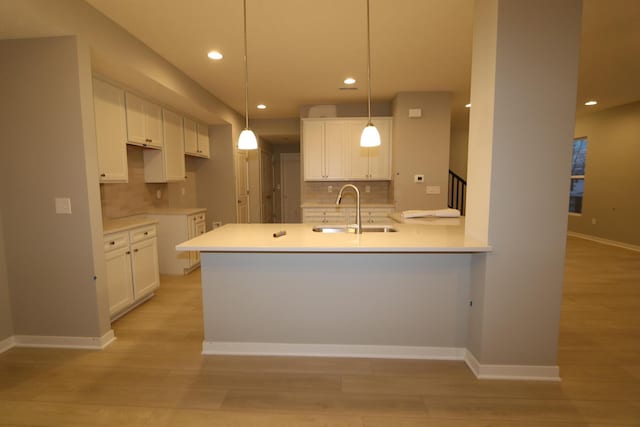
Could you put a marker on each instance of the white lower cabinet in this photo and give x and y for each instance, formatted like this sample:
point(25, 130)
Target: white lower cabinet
point(177, 227)
point(132, 267)
point(346, 215)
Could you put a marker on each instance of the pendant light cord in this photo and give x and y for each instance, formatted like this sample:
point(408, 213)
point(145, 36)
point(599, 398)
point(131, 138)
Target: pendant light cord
point(368, 62)
point(246, 69)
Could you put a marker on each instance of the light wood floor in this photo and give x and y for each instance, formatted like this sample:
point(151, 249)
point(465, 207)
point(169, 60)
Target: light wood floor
point(154, 375)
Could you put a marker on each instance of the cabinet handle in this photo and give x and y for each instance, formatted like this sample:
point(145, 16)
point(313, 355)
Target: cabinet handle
point(149, 140)
point(128, 253)
point(144, 145)
point(103, 175)
point(146, 233)
point(112, 243)
point(135, 250)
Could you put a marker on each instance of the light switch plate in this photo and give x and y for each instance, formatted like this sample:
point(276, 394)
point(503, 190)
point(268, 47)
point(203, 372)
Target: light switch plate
point(415, 113)
point(63, 205)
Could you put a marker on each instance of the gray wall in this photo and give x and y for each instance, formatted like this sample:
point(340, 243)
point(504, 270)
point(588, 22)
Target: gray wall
point(6, 323)
point(612, 176)
point(46, 115)
point(216, 188)
point(523, 92)
point(458, 151)
point(421, 146)
point(121, 58)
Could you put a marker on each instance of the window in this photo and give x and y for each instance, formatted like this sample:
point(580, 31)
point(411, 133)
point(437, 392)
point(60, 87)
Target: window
point(578, 162)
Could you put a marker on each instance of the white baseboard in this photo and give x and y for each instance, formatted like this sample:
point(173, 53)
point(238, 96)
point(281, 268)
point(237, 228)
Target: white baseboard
point(604, 241)
point(7, 344)
point(90, 343)
point(511, 372)
point(332, 350)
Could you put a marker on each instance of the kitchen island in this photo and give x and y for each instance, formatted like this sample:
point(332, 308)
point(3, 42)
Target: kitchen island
point(395, 294)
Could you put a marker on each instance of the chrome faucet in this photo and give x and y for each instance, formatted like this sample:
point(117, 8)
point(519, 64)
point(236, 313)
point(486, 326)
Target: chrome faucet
point(358, 221)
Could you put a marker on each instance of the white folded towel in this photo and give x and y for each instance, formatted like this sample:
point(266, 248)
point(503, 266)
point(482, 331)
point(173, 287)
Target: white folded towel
point(439, 213)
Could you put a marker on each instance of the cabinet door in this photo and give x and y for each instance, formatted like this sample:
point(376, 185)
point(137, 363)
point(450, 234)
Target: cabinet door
point(173, 146)
point(119, 287)
point(136, 126)
point(190, 136)
point(359, 156)
point(380, 157)
point(203, 140)
point(194, 256)
point(336, 135)
point(144, 266)
point(313, 150)
point(111, 132)
point(153, 124)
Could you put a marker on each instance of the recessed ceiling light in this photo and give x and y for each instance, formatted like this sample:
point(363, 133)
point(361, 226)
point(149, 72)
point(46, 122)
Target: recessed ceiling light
point(215, 55)
point(261, 106)
point(468, 105)
point(349, 81)
point(591, 102)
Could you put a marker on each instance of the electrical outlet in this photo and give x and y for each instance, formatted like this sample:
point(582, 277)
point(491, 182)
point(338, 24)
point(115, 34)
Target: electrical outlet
point(593, 221)
point(367, 189)
point(330, 189)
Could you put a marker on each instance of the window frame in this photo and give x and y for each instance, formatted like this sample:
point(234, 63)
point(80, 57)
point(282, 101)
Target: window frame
point(577, 177)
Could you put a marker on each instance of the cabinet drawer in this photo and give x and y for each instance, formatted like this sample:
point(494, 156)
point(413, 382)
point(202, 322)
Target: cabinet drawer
point(143, 233)
point(116, 241)
point(199, 217)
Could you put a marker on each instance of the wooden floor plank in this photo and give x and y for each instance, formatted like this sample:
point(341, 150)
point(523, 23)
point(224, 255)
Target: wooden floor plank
point(155, 375)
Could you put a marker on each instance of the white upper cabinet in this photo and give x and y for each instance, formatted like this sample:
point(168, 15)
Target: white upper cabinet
point(332, 152)
point(168, 164)
point(111, 132)
point(144, 122)
point(190, 136)
point(203, 140)
point(196, 138)
point(370, 163)
point(324, 150)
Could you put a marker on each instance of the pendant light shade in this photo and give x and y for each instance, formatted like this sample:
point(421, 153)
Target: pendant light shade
point(247, 139)
point(370, 136)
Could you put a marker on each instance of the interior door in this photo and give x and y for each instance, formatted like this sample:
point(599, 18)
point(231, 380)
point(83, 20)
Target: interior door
point(290, 184)
point(266, 181)
point(242, 187)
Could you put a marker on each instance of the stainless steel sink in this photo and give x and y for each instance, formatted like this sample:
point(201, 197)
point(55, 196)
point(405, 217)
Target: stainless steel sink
point(352, 229)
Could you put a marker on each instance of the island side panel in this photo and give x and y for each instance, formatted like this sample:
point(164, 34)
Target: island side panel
point(419, 300)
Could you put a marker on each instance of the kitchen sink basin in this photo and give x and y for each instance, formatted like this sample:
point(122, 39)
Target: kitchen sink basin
point(352, 229)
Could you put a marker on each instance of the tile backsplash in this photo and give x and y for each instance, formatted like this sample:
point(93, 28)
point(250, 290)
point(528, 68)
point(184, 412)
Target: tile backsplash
point(318, 192)
point(137, 197)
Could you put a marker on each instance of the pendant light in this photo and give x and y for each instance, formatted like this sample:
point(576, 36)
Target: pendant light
point(247, 139)
point(370, 136)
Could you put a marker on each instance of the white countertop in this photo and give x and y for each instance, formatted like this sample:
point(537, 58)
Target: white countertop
point(300, 238)
point(345, 204)
point(126, 223)
point(175, 211)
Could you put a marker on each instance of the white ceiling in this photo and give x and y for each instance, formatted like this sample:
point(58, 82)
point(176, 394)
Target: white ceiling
point(301, 50)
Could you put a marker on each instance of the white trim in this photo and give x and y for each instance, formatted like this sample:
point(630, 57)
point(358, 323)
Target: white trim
point(90, 343)
point(7, 344)
point(622, 245)
point(332, 350)
point(511, 372)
